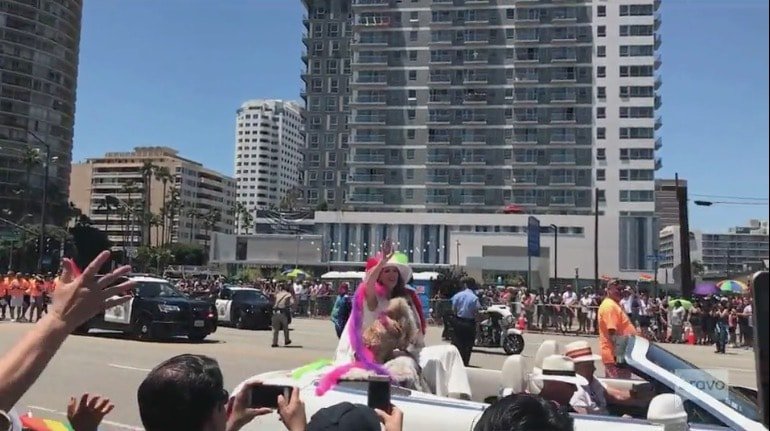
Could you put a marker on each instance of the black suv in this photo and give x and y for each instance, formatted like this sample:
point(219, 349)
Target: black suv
point(157, 310)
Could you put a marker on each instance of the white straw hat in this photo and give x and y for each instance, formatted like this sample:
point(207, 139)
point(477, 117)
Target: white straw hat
point(580, 351)
point(559, 368)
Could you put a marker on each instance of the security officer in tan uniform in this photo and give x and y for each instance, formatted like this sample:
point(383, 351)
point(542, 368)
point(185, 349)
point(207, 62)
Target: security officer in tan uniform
point(281, 309)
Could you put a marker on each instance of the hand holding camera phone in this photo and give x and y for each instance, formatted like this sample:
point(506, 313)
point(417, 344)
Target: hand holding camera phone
point(378, 393)
point(267, 395)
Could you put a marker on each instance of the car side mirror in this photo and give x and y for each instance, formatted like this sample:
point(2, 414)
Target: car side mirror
point(668, 410)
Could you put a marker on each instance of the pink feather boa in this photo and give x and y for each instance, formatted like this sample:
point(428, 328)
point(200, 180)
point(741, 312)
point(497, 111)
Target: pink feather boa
point(364, 358)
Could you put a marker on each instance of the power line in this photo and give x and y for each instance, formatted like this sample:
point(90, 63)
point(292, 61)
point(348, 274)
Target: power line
point(730, 197)
point(709, 203)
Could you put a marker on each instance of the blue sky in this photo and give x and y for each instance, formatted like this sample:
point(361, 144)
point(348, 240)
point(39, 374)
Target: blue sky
point(173, 72)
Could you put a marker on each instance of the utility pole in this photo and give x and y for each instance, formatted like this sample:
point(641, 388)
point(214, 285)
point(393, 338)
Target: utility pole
point(43, 209)
point(596, 238)
point(684, 239)
point(556, 252)
point(458, 254)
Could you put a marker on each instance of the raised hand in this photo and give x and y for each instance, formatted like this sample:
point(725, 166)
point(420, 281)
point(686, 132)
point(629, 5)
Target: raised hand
point(292, 412)
point(240, 411)
point(87, 414)
point(387, 250)
point(80, 296)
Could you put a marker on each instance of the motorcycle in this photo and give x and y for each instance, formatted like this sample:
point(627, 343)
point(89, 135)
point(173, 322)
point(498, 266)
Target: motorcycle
point(497, 329)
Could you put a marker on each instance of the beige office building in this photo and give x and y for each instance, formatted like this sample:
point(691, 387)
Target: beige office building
point(119, 174)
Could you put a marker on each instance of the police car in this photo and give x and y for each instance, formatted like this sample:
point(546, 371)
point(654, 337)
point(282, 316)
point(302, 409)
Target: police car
point(244, 307)
point(156, 310)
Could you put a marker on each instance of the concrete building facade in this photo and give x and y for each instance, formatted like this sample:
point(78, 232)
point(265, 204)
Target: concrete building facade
point(200, 191)
point(470, 106)
point(268, 152)
point(39, 50)
point(666, 202)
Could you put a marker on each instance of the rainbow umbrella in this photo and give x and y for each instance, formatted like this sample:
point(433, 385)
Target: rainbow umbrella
point(733, 286)
point(37, 424)
point(646, 277)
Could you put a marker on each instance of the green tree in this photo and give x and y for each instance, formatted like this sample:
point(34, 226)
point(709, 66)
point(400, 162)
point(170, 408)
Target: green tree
point(173, 209)
point(697, 268)
point(163, 174)
point(194, 215)
point(449, 281)
point(187, 254)
point(147, 170)
point(210, 220)
point(129, 188)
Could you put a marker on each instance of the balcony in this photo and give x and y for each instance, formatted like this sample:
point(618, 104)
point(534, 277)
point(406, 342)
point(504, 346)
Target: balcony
point(475, 120)
point(437, 199)
point(440, 99)
point(306, 40)
point(367, 179)
point(306, 22)
point(369, 158)
point(659, 143)
point(560, 180)
point(563, 201)
point(303, 94)
point(304, 58)
point(472, 200)
point(472, 180)
point(368, 119)
point(658, 123)
point(366, 198)
point(370, 41)
point(371, 3)
point(474, 159)
point(562, 159)
point(658, 164)
point(658, 62)
point(371, 60)
point(372, 21)
point(658, 82)
point(437, 179)
point(370, 100)
point(658, 101)
point(437, 159)
point(658, 41)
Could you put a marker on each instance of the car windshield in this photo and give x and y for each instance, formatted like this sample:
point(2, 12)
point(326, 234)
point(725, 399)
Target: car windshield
point(156, 289)
point(250, 296)
point(731, 398)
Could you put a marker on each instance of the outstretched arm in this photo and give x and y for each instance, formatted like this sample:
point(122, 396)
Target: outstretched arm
point(386, 252)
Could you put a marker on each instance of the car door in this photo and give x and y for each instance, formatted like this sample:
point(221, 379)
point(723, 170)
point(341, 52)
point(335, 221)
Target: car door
point(223, 303)
point(120, 314)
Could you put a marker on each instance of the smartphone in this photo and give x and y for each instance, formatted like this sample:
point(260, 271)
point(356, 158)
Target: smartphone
point(378, 394)
point(267, 395)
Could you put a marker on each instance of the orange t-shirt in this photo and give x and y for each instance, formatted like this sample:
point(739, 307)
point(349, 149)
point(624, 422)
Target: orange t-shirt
point(612, 317)
point(35, 288)
point(3, 287)
point(16, 288)
point(48, 286)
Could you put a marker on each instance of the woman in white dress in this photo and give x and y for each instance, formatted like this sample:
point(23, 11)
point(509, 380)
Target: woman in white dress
point(386, 278)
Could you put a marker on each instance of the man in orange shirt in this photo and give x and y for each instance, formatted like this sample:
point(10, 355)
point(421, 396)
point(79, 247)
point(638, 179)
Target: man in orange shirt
point(16, 289)
point(35, 298)
point(3, 297)
point(613, 322)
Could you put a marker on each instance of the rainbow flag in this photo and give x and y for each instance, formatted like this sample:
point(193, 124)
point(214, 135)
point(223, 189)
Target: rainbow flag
point(646, 277)
point(37, 424)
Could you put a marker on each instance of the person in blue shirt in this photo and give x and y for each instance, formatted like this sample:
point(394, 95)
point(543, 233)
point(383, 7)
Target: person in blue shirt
point(465, 305)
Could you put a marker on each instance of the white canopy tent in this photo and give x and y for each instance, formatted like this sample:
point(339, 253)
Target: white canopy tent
point(343, 275)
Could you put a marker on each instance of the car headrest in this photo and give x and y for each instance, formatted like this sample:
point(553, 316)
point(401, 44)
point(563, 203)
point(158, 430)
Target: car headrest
point(548, 348)
point(514, 374)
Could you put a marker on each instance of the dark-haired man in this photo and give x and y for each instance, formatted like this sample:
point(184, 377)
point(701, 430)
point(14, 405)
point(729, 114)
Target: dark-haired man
point(187, 393)
point(524, 412)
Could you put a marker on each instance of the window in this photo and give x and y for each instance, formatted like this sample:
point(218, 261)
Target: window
point(637, 132)
point(412, 75)
point(412, 55)
point(636, 71)
point(601, 196)
point(410, 154)
point(636, 30)
point(601, 112)
point(414, 16)
point(333, 29)
point(600, 174)
point(601, 51)
point(601, 10)
point(601, 133)
point(331, 67)
point(636, 10)
point(601, 71)
point(510, 13)
point(410, 134)
point(411, 114)
point(637, 154)
point(412, 94)
point(410, 174)
point(636, 196)
point(637, 50)
point(409, 194)
point(601, 92)
point(637, 112)
point(413, 36)
point(636, 91)
point(601, 31)
point(601, 154)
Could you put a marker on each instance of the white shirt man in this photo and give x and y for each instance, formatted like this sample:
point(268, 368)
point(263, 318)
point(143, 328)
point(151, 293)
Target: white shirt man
point(569, 297)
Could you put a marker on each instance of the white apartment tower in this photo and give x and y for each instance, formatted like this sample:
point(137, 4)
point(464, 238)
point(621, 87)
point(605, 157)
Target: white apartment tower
point(268, 152)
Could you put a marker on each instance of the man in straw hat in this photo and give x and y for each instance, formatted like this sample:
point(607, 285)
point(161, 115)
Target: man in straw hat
point(598, 393)
point(561, 384)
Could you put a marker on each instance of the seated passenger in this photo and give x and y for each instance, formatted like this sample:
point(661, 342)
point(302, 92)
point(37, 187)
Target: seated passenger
point(561, 384)
point(598, 393)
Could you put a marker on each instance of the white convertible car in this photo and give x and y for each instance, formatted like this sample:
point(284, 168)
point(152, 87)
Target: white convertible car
point(678, 402)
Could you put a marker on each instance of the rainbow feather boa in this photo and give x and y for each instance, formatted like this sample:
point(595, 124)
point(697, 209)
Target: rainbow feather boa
point(364, 357)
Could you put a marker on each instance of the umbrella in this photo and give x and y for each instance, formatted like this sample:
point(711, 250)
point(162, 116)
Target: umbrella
point(733, 286)
point(705, 289)
point(37, 424)
point(685, 303)
point(294, 273)
point(646, 277)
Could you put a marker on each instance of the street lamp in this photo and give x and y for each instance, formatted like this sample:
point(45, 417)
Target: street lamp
point(457, 243)
point(47, 165)
point(555, 230)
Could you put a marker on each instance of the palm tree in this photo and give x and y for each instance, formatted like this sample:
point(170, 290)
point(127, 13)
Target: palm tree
point(193, 213)
point(108, 204)
point(210, 220)
point(147, 170)
point(163, 174)
point(73, 214)
point(30, 158)
point(248, 220)
point(156, 221)
point(173, 209)
point(240, 211)
point(129, 188)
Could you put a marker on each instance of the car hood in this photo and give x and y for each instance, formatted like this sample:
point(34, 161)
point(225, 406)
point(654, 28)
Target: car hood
point(173, 301)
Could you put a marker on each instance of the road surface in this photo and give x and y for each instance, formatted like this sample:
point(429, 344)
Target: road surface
point(113, 366)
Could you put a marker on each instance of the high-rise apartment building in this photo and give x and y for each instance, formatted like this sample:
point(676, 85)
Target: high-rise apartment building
point(268, 152)
point(468, 106)
point(39, 48)
point(117, 179)
point(327, 40)
point(666, 202)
